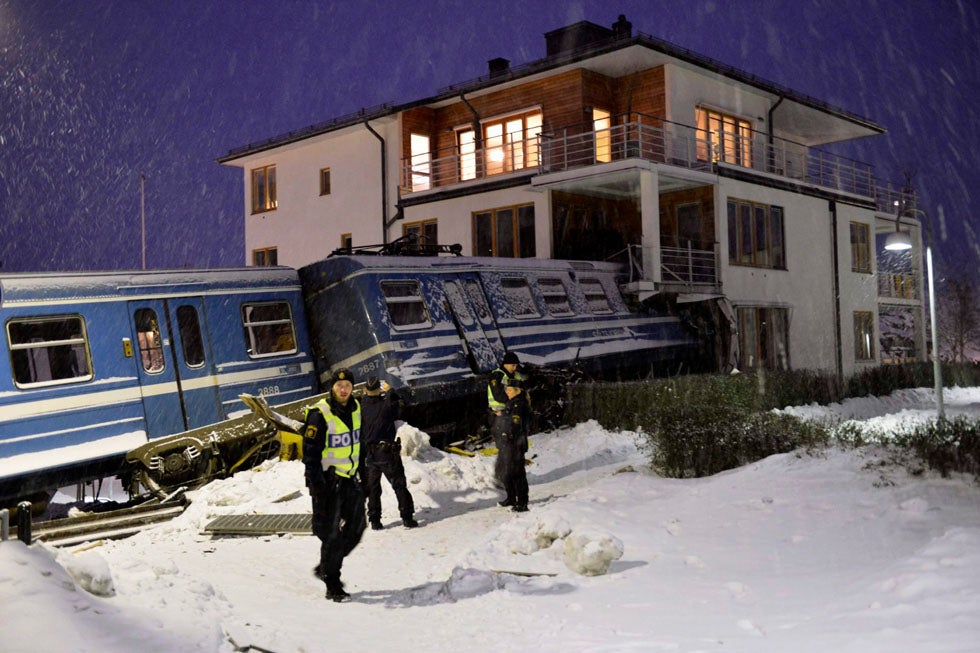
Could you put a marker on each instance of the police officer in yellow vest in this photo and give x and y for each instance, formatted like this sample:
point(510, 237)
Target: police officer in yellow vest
point(331, 455)
point(510, 410)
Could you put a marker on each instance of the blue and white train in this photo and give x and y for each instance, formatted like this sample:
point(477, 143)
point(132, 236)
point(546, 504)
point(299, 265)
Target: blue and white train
point(434, 326)
point(93, 365)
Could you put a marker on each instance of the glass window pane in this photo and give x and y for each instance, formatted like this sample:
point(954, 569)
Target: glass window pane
point(519, 297)
point(595, 295)
point(149, 341)
point(191, 341)
point(525, 231)
point(483, 230)
point(505, 232)
point(405, 305)
point(267, 328)
point(49, 350)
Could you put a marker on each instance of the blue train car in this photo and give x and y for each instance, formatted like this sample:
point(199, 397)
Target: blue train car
point(96, 364)
point(435, 326)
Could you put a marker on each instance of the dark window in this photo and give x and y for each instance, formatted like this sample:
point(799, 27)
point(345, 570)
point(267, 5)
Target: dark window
point(755, 235)
point(405, 304)
point(49, 350)
point(190, 336)
point(268, 329)
point(519, 297)
point(763, 338)
point(555, 296)
point(265, 257)
point(504, 232)
point(324, 181)
point(595, 296)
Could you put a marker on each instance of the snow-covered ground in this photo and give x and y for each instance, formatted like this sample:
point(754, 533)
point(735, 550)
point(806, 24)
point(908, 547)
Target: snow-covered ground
point(839, 551)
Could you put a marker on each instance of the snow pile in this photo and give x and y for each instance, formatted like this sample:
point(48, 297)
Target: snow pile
point(840, 551)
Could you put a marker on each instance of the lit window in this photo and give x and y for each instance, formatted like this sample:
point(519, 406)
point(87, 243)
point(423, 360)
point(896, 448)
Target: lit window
point(726, 138)
point(149, 340)
point(421, 162)
point(601, 124)
point(264, 189)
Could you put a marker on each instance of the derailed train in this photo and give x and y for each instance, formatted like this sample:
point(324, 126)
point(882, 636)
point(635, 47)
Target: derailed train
point(139, 373)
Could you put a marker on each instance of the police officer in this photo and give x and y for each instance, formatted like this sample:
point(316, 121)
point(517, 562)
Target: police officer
point(331, 455)
point(382, 452)
point(510, 417)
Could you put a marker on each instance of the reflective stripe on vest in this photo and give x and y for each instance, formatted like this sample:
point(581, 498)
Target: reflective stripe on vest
point(494, 404)
point(342, 449)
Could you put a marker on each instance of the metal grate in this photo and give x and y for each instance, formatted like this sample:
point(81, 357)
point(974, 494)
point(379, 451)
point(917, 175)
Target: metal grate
point(260, 525)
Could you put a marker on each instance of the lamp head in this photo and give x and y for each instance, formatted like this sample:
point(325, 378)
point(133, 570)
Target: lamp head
point(898, 241)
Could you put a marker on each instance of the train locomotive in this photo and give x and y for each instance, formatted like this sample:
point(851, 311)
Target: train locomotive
point(139, 374)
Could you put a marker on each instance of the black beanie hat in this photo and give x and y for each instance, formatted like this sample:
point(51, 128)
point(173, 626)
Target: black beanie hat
point(511, 357)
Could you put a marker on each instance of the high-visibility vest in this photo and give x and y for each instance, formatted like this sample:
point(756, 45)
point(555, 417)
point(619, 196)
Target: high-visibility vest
point(342, 449)
point(494, 404)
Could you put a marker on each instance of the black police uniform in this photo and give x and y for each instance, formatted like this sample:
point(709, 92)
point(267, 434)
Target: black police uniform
point(510, 430)
point(382, 456)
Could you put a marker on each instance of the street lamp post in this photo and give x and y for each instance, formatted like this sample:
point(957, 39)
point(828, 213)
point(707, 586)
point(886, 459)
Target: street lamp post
point(143, 216)
point(900, 241)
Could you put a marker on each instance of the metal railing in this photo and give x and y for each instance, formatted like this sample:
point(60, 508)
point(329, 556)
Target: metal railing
point(898, 286)
point(678, 265)
point(652, 139)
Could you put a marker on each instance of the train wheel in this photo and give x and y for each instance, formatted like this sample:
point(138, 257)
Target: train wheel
point(176, 473)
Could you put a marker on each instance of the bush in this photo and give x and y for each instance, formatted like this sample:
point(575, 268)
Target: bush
point(946, 445)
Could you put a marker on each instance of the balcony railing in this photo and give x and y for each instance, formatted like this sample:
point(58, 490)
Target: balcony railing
point(649, 138)
point(898, 286)
point(679, 266)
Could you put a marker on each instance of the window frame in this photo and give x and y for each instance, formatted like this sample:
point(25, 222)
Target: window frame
point(747, 245)
point(420, 161)
point(264, 253)
point(602, 134)
point(547, 294)
point(73, 343)
point(864, 337)
point(860, 249)
point(584, 284)
point(515, 309)
point(254, 341)
point(325, 181)
point(263, 185)
point(416, 297)
point(191, 342)
point(713, 139)
point(522, 237)
point(769, 329)
point(427, 230)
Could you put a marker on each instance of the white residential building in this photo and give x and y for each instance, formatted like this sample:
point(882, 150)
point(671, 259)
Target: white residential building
point(706, 179)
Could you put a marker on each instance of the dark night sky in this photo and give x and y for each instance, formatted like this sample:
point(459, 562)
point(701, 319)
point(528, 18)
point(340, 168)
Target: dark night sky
point(93, 93)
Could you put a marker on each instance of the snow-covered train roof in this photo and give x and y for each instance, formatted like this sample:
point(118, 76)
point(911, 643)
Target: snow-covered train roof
point(26, 287)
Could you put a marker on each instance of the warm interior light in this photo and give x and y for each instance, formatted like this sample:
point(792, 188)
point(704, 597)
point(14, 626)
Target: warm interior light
point(898, 241)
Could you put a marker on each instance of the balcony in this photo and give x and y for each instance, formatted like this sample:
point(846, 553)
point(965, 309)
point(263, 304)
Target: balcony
point(644, 137)
point(898, 286)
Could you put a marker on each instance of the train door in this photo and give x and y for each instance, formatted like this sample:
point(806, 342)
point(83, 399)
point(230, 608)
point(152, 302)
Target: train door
point(174, 365)
point(477, 329)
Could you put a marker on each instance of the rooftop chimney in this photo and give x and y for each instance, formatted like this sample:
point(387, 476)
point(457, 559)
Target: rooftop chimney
point(499, 66)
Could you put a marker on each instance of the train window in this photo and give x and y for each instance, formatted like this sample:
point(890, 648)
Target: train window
point(595, 296)
point(519, 297)
point(49, 351)
point(268, 329)
point(405, 304)
point(190, 336)
point(458, 303)
point(149, 340)
point(478, 300)
point(555, 296)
